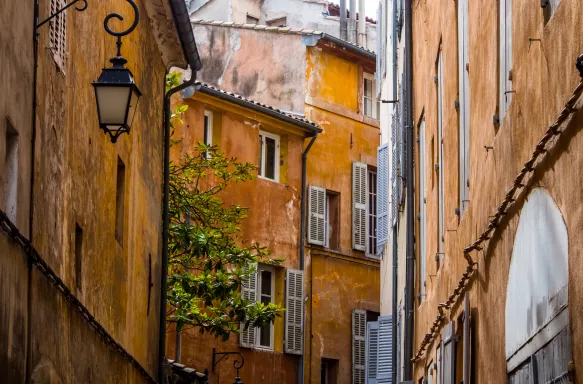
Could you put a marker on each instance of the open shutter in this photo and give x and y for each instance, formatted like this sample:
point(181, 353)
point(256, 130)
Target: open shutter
point(359, 206)
point(382, 197)
point(385, 364)
point(358, 346)
point(249, 292)
point(467, 340)
point(294, 314)
point(316, 215)
point(448, 369)
point(372, 351)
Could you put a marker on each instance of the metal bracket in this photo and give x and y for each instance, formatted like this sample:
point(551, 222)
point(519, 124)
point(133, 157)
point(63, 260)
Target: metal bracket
point(225, 355)
point(390, 101)
point(80, 9)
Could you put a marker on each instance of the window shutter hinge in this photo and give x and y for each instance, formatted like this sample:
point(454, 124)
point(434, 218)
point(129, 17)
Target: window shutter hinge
point(418, 217)
point(510, 75)
point(435, 79)
point(496, 120)
point(436, 167)
point(457, 104)
point(457, 211)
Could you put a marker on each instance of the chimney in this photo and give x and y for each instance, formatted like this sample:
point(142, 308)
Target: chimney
point(352, 22)
point(362, 24)
point(343, 23)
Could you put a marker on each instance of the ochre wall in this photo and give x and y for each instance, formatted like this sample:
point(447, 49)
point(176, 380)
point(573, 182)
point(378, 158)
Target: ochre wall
point(544, 77)
point(338, 280)
point(273, 220)
point(75, 182)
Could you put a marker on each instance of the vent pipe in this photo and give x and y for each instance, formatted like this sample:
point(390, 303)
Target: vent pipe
point(362, 24)
point(343, 22)
point(352, 22)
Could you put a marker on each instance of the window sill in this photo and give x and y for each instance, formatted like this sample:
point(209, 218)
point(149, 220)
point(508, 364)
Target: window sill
point(268, 179)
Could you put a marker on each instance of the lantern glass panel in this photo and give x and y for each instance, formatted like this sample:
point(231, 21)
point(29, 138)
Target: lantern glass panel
point(133, 107)
point(113, 103)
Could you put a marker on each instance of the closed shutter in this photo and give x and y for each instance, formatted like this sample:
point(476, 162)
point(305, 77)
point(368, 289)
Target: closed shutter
point(385, 357)
point(358, 346)
point(467, 340)
point(359, 205)
point(464, 95)
point(316, 215)
point(372, 350)
point(382, 197)
point(394, 167)
point(448, 369)
point(294, 314)
point(58, 33)
point(249, 292)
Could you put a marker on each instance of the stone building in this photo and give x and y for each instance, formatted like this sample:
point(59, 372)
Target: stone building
point(325, 232)
point(488, 252)
point(83, 304)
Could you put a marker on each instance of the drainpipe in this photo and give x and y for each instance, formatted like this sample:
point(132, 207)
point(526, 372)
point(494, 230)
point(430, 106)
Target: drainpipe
point(343, 22)
point(362, 24)
point(410, 250)
point(395, 228)
point(300, 379)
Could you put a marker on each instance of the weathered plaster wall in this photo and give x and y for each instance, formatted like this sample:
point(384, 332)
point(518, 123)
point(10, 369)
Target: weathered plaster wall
point(268, 67)
point(544, 76)
point(75, 182)
point(273, 220)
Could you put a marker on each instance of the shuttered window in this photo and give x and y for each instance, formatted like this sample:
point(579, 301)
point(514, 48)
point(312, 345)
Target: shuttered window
point(358, 346)
point(58, 34)
point(316, 215)
point(422, 211)
point(449, 354)
point(371, 214)
point(249, 292)
point(385, 354)
point(505, 64)
point(382, 198)
point(464, 101)
point(440, 160)
point(294, 313)
point(359, 209)
point(269, 155)
point(372, 350)
point(370, 103)
point(394, 167)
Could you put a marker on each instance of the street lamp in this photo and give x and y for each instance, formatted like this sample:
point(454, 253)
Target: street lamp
point(116, 92)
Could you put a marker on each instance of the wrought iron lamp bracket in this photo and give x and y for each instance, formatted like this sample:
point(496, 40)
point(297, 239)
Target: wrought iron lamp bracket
point(80, 9)
point(121, 34)
point(225, 355)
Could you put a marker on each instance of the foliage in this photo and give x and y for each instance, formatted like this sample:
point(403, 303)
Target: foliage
point(208, 258)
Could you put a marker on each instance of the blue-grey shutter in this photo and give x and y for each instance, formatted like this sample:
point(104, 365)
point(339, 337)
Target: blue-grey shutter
point(449, 349)
point(358, 346)
point(372, 351)
point(385, 355)
point(294, 314)
point(249, 292)
point(316, 215)
point(359, 205)
point(382, 197)
point(394, 167)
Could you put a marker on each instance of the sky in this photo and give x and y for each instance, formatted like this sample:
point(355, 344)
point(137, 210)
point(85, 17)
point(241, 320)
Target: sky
point(371, 8)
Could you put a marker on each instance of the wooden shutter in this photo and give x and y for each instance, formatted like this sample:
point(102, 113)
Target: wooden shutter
point(294, 314)
point(358, 346)
point(249, 292)
point(58, 33)
point(448, 369)
point(359, 205)
point(382, 197)
point(372, 350)
point(385, 357)
point(316, 215)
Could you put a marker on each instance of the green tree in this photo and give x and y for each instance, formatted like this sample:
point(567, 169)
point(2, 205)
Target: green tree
point(208, 258)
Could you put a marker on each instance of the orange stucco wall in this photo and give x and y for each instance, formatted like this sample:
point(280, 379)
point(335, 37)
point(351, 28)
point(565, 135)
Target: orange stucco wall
point(544, 77)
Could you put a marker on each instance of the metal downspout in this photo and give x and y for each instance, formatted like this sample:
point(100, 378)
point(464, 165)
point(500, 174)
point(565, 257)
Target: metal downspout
point(165, 224)
point(395, 227)
point(410, 263)
point(300, 379)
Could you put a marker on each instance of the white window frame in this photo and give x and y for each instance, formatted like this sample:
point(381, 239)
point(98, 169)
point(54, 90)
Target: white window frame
point(261, 268)
point(505, 58)
point(374, 102)
point(208, 130)
point(464, 101)
point(422, 211)
point(263, 150)
point(440, 158)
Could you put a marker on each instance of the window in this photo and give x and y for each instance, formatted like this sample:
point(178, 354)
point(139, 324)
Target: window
point(266, 287)
point(332, 220)
point(464, 102)
point(58, 34)
point(208, 130)
point(382, 204)
point(279, 22)
point(252, 19)
point(371, 233)
point(370, 103)
point(422, 211)
point(120, 201)
point(10, 172)
point(358, 346)
point(294, 314)
point(440, 159)
point(505, 59)
point(379, 356)
point(78, 256)
point(269, 156)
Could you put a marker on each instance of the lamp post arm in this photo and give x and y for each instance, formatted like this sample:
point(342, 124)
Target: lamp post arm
point(80, 9)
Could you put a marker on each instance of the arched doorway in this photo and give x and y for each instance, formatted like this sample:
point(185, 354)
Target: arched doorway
point(538, 339)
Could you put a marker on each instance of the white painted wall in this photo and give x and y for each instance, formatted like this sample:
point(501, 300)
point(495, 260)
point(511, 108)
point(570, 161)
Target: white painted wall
point(539, 270)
